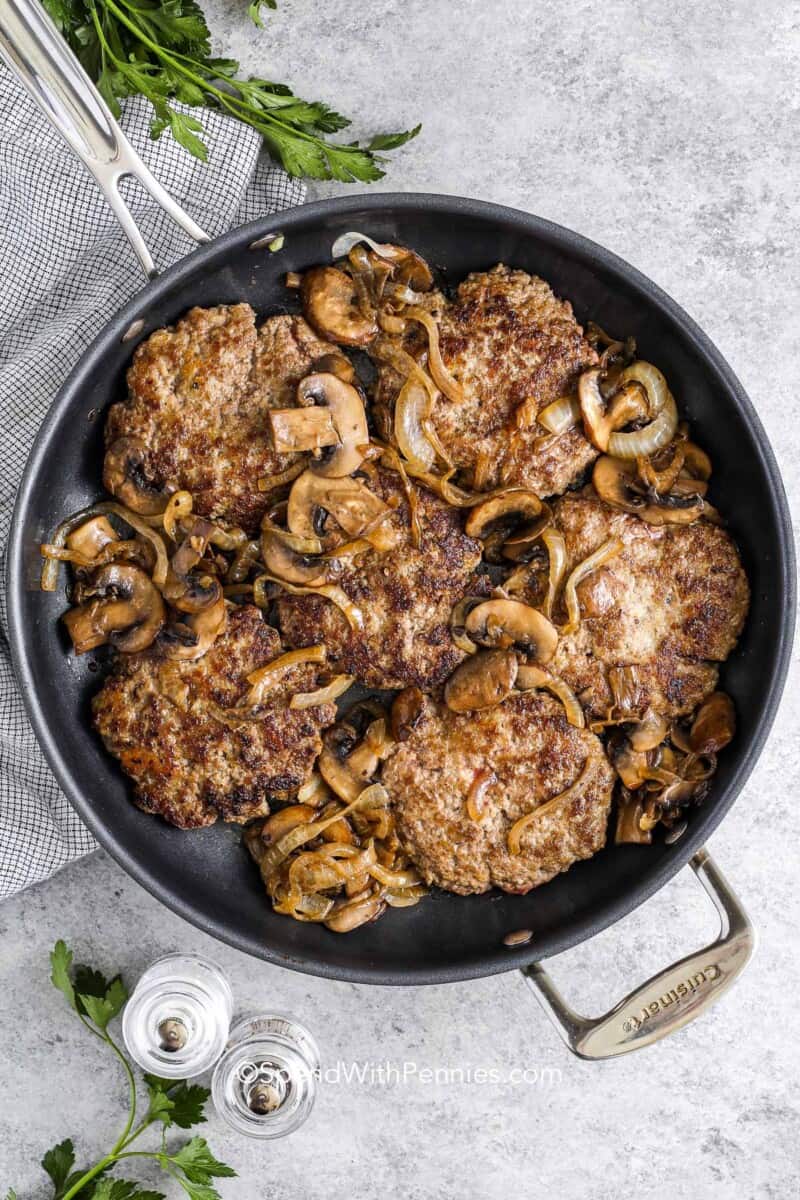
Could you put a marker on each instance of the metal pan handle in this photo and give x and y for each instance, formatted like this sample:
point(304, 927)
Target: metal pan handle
point(671, 998)
point(37, 54)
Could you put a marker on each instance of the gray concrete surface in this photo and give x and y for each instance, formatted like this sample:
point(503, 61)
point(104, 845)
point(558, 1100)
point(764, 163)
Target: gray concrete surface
point(667, 132)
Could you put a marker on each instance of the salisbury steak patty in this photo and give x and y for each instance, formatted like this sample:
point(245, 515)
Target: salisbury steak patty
point(186, 765)
point(671, 605)
point(514, 347)
point(198, 396)
point(405, 596)
point(532, 755)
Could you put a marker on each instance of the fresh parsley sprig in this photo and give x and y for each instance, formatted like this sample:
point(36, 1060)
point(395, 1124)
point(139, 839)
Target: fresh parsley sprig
point(170, 1102)
point(161, 49)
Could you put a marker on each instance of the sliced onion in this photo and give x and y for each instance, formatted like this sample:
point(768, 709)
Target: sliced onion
point(530, 676)
point(393, 461)
point(484, 778)
point(264, 679)
point(518, 828)
point(325, 695)
point(273, 856)
point(328, 591)
point(405, 898)
point(394, 879)
point(561, 415)
point(268, 483)
point(557, 555)
point(346, 241)
point(411, 408)
point(602, 555)
point(50, 572)
point(315, 792)
point(641, 443)
point(441, 376)
point(179, 506)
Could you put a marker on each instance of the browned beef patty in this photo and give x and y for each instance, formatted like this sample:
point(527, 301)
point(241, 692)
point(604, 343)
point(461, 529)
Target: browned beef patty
point(185, 764)
point(405, 596)
point(514, 347)
point(672, 604)
point(198, 396)
point(532, 755)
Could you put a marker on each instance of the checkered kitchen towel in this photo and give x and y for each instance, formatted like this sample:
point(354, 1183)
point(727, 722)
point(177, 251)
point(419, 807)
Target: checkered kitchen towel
point(66, 268)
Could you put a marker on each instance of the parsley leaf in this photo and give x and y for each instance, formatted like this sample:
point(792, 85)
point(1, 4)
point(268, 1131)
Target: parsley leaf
point(60, 963)
point(176, 1102)
point(172, 1102)
point(198, 1163)
point(58, 1163)
point(161, 49)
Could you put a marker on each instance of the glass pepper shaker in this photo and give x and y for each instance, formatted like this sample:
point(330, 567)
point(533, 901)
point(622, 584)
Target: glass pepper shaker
point(265, 1083)
point(177, 1020)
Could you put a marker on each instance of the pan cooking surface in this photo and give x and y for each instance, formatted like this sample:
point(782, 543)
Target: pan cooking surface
point(207, 876)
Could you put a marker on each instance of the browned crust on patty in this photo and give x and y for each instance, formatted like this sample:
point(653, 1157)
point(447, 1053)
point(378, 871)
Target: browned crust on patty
point(681, 599)
point(405, 595)
point(198, 396)
point(533, 755)
point(187, 766)
point(509, 341)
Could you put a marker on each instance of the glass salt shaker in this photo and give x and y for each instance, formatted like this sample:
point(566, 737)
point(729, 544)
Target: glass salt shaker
point(176, 1023)
point(265, 1083)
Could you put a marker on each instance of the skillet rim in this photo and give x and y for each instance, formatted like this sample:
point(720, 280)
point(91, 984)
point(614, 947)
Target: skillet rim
point(573, 245)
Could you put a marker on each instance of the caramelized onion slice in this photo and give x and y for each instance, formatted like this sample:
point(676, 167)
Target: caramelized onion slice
point(561, 415)
point(266, 678)
point(518, 828)
point(530, 676)
point(603, 554)
point(441, 376)
point(557, 560)
point(411, 409)
point(328, 591)
point(324, 695)
point(49, 580)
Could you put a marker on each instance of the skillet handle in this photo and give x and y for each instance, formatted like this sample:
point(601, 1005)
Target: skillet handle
point(671, 998)
point(37, 54)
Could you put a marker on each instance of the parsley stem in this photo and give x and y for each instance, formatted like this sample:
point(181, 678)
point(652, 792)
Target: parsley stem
point(260, 121)
point(90, 1174)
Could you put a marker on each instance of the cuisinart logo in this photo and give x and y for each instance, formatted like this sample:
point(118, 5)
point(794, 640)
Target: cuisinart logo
point(675, 995)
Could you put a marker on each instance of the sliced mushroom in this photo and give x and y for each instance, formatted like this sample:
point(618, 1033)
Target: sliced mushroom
point(91, 537)
point(495, 519)
point(353, 913)
point(122, 606)
point(348, 769)
point(600, 421)
point(192, 638)
point(297, 429)
point(599, 593)
point(714, 725)
point(649, 732)
point(614, 481)
point(349, 420)
point(507, 622)
point(330, 304)
point(335, 364)
point(185, 589)
point(125, 477)
point(282, 560)
point(354, 508)
point(483, 681)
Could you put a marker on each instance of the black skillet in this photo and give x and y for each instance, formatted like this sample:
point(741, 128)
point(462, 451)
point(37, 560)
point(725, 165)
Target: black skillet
point(206, 876)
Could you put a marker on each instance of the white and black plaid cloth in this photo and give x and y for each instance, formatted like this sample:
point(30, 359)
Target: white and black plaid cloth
point(65, 269)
